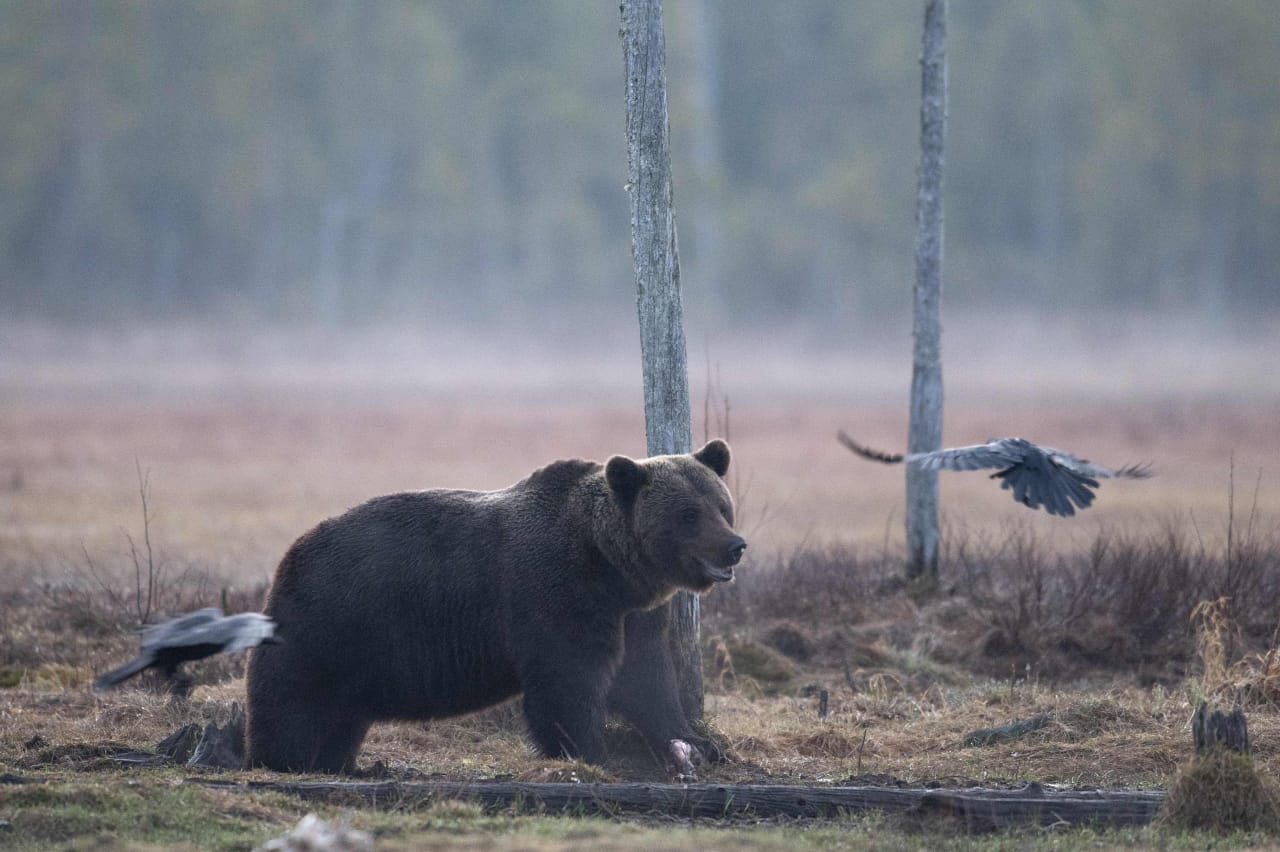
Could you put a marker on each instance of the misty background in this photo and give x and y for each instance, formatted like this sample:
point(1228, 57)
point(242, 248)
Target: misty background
point(348, 164)
point(291, 254)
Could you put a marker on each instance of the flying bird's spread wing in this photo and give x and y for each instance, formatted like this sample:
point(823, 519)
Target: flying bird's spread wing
point(175, 630)
point(1039, 477)
point(235, 632)
point(1088, 468)
point(999, 453)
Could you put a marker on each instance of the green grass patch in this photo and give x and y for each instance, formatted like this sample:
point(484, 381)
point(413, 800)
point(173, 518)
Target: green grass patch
point(157, 810)
point(119, 811)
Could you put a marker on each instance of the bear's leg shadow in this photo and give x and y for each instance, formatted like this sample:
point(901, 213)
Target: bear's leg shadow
point(644, 691)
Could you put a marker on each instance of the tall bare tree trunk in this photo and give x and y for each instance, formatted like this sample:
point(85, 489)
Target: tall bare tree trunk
point(657, 264)
point(925, 429)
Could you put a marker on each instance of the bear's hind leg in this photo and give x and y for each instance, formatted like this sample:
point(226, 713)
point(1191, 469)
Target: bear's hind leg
point(301, 738)
point(337, 753)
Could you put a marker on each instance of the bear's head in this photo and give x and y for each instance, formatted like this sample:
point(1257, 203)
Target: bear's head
point(680, 514)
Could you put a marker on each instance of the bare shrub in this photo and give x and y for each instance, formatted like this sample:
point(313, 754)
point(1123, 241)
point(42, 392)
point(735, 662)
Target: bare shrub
point(821, 585)
point(1123, 602)
point(1127, 600)
point(1251, 680)
point(139, 590)
point(1213, 634)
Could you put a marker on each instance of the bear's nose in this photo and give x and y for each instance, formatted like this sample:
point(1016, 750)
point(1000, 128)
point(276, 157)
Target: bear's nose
point(735, 549)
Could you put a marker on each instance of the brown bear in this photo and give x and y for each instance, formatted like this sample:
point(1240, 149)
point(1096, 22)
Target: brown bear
point(437, 603)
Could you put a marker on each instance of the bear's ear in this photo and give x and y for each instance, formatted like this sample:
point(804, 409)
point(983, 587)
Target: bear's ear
point(715, 455)
point(625, 478)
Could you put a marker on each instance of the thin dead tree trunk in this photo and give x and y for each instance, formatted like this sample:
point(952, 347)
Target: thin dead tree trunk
point(657, 265)
point(925, 429)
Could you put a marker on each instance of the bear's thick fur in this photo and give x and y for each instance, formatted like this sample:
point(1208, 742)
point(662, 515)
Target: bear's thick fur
point(435, 603)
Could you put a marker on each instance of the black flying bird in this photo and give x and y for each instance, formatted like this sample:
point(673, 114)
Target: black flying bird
point(193, 636)
point(1038, 476)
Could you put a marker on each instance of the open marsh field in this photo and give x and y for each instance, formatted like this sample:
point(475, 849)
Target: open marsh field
point(249, 441)
point(241, 450)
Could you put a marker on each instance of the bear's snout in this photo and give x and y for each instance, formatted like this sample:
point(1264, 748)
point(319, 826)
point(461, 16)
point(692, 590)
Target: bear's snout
point(733, 553)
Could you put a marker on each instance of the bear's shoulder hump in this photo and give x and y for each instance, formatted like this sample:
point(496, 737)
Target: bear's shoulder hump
point(562, 474)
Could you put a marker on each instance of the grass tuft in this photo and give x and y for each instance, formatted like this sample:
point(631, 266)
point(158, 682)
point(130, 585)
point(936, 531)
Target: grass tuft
point(1222, 791)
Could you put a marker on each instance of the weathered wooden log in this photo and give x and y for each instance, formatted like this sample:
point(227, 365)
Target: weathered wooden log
point(990, 810)
point(979, 809)
point(13, 778)
point(1220, 730)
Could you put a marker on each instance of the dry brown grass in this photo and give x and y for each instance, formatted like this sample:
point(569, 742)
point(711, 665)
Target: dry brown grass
point(906, 717)
point(917, 737)
point(1249, 679)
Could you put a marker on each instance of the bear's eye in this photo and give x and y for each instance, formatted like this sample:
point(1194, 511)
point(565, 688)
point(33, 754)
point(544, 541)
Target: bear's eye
point(689, 516)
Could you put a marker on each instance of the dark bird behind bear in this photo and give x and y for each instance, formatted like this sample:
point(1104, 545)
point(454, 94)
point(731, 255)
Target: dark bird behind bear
point(1038, 476)
point(435, 603)
point(194, 636)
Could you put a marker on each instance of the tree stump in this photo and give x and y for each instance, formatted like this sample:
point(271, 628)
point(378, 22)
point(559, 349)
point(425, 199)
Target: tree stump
point(1219, 730)
point(222, 747)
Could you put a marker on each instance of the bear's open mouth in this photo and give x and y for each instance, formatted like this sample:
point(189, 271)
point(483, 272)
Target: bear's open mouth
point(717, 573)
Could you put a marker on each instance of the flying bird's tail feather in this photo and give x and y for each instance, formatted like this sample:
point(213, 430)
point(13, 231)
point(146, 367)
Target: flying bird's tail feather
point(115, 677)
point(1017, 479)
point(1079, 490)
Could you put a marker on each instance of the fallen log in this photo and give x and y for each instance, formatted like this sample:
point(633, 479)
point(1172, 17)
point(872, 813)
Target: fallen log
point(991, 810)
point(978, 808)
point(1006, 733)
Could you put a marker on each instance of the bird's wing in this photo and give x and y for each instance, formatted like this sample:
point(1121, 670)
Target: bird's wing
point(115, 677)
point(244, 630)
point(167, 632)
point(1097, 471)
point(1001, 452)
point(867, 452)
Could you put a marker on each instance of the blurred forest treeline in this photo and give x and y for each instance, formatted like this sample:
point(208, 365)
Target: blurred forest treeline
point(349, 161)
